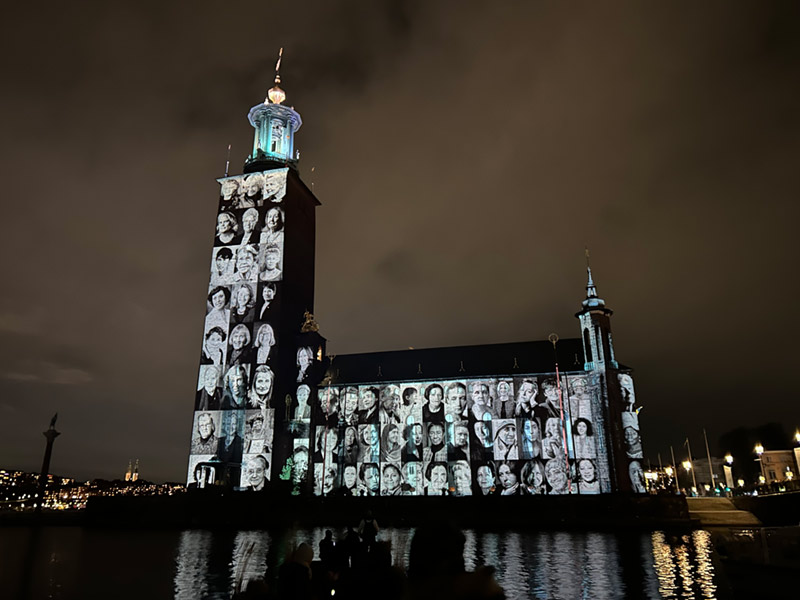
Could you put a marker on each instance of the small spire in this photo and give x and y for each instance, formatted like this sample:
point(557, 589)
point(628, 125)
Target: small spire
point(276, 95)
point(592, 300)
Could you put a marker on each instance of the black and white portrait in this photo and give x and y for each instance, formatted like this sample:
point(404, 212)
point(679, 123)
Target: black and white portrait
point(227, 230)
point(369, 478)
point(214, 347)
point(368, 404)
point(209, 392)
point(436, 483)
point(455, 400)
point(504, 402)
point(508, 476)
point(525, 399)
point(458, 441)
point(218, 312)
point(275, 185)
point(271, 263)
point(553, 441)
point(460, 478)
point(481, 400)
point(246, 269)
point(556, 472)
point(631, 437)
point(255, 472)
point(259, 430)
point(583, 438)
point(435, 446)
point(260, 393)
point(205, 438)
point(264, 341)
point(305, 356)
point(272, 231)
point(235, 386)
point(392, 483)
point(229, 193)
point(253, 191)
point(239, 350)
point(250, 233)
point(637, 477)
point(222, 266)
point(506, 444)
point(202, 471)
point(628, 397)
point(588, 483)
point(530, 439)
point(369, 439)
point(231, 442)
point(266, 300)
point(325, 476)
point(532, 481)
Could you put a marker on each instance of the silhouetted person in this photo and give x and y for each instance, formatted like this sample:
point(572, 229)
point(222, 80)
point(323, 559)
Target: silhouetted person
point(351, 545)
point(368, 529)
point(294, 575)
point(326, 549)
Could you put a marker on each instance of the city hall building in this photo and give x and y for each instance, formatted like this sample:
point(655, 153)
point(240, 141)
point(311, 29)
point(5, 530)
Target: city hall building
point(271, 408)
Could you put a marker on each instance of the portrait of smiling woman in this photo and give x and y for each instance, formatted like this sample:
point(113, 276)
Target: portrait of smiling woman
point(227, 230)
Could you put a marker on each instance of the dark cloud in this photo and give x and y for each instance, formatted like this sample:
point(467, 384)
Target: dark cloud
point(464, 154)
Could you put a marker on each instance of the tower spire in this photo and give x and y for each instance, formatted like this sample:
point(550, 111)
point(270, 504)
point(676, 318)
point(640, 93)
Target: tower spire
point(592, 300)
point(276, 95)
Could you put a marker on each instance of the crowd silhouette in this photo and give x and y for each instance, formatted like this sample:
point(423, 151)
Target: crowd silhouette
point(359, 566)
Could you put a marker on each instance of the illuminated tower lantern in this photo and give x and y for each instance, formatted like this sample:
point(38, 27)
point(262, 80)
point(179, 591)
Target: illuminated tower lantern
point(261, 285)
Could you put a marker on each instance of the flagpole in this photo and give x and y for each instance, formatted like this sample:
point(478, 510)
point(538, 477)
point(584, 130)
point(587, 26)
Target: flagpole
point(694, 479)
point(675, 470)
point(708, 455)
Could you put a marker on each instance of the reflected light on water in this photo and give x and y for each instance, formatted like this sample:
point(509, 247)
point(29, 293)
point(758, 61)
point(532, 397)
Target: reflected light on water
point(683, 565)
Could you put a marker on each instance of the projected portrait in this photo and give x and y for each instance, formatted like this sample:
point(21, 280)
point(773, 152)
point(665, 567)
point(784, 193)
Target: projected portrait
point(227, 230)
point(530, 439)
point(231, 444)
point(235, 384)
point(222, 266)
point(391, 443)
point(271, 264)
point(436, 479)
point(583, 438)
point(411, 404)
point(485, 479)
point(369, 478)
point(458, 441)
point(255, 473)
point(553, 442)
point(328, 405)
point(209, 394)
point(480, 406)
point(435, 448)
point(628, 397)
point(525, 399)
point(637, 477)
point(433, 408)
point(482, 445)
point(532, 481)
point(509, 478)
point(246, 269)
point(265, 340)
point(266, 299)
point(204, 434)
point(218, 312)
point(253, 191)
point(214, 347)
point(230, 192)
point(368, 404)
point(348, 414)
point(587, 477)
point(326, 447)
point(506, 444)
point(202, 471)
point(455, 400)
point(250, 233)
point(370, 443)
point(460, 478)
point(260, 392)
point(414, 480)
point(258, 431)
point(272, 232)
point(389, 405)
point(556, 475)
point(243, 303)
point(305, 356)
point(350, 450)
point(631, 437)
point(239, 351)
point(349, 485)
point(504, 401)
point(412, 450)
point(302, 411)
point(299, 462)
point(275, 185)
point(392, 483)
point(324, 478)
point(547, 404)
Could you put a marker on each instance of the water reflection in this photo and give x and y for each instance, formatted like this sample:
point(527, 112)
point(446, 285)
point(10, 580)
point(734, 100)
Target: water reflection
point(683, 565)
point(528, 565)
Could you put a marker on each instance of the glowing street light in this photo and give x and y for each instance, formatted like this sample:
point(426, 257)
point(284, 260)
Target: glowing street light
point(759, 449)
point(668, 471)
point(729, 458)
point(797, 436)
point(687, 464)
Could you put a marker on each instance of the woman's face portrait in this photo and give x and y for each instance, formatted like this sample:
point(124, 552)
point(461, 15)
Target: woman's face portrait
point(262, 383)
point(485, 478)
point(236, 382)
point(461, 478)
point(222, 263)
point(268, 294)
point(551, 393)
point(503, 389)
point(436, 433)
point(631, 436)
point(210, 379)
point(526, 392)
point(375, 437)
point(229, 188)
point(538, 477)
point(224, 224)
point(581, 427)
point(435, 398)
point(349, 477)
point(332, 440)
point(368, 400)
point(507, 477)
point(255, 472)
point(300, 466)
point(531, 431)
point(556, 476)
point(272, 259)
point(238, 338)
point(253, 186)
point(349, 436)
point(243, 296)
point(244, 260)
point(586, 469)
point(303, 392)
point(249, 220)
point(218, 300)
point(304, 358)
point(392, 478)
point(214, 341)
point(508, 434)
point(265, 338)
point(392, 437)
point(273, 219)
point(350, 403)
point(552, 428)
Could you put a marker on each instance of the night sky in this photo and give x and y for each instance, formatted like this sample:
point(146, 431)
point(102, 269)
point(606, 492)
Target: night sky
point(464, 153)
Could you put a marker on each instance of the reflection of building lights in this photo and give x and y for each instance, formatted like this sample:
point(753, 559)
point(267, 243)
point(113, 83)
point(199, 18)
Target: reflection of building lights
point(759, 449)
point(729, 458)
point(687, 464)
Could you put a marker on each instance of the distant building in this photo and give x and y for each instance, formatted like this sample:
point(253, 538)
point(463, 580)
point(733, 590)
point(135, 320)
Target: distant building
point(778, 465)
point(520, 418)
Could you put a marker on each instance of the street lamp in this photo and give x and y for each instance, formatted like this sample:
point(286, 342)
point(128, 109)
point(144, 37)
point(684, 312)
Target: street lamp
point(797, 436)
point(759, 449)
point(687, 465)
point(729, 459)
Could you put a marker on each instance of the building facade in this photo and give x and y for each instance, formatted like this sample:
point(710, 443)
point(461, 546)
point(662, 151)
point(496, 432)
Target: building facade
point(547, 417)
